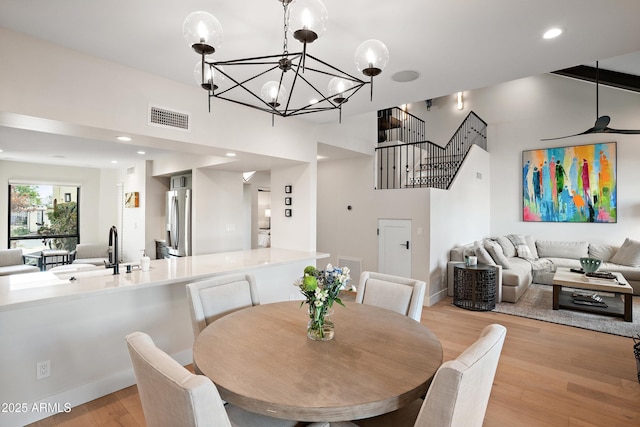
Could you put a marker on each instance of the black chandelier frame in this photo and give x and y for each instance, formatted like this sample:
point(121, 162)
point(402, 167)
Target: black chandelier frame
point(298, 63)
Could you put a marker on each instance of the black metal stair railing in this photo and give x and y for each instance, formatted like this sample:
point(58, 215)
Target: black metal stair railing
point(425, 164)
point(395, 124)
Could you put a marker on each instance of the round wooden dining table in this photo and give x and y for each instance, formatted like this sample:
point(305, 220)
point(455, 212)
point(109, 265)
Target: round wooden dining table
point(261, 360)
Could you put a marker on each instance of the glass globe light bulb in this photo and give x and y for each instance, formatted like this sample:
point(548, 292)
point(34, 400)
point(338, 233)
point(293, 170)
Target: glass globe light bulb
point(371, 57)
point(212, 77)
point(273, 93)
point(339, 87)
point(203, 32)
point(308, 20)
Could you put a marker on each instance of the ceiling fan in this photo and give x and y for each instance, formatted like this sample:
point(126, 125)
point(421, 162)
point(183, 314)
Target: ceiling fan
point(602, 122)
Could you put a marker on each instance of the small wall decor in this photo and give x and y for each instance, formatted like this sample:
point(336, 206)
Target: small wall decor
point(570, 184)
point(132, 200)
point(288, 189)
point(287, 201)
point(287, 212)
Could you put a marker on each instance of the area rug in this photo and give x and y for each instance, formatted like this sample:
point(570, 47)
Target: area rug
point(536, 303)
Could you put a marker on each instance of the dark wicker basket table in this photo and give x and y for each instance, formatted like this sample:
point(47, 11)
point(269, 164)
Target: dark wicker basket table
point(474, 287)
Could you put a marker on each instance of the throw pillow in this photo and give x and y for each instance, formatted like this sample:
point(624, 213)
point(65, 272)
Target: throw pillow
point(531, 242)
point(628, 254)
point(601, 251)
point(507, 246)
point(483, 255)
point(495, 250)
point(520, 244)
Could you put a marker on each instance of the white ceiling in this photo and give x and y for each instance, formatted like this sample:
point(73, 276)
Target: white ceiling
point(454, 45)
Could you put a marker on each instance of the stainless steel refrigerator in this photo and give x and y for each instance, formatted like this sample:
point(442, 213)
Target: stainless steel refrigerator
point(179, 222)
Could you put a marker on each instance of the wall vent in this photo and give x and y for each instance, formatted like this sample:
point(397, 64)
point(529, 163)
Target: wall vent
point(355, 265)
point(163, 117)
point(131, 170)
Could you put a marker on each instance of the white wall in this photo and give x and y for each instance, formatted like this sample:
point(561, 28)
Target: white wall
point(132, 232)
point(446, 218)
point(458, 215)
point(120, 103)
point(298, 231)
point(154, 200)
point(218, 222)
point(522, 112)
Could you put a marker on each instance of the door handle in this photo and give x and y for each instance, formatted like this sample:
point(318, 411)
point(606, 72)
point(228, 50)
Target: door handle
point(405, 244)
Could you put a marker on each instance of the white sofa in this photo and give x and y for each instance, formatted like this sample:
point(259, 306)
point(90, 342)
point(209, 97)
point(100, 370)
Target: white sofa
point(12, 262)
point(541, 258)
point(91, 253)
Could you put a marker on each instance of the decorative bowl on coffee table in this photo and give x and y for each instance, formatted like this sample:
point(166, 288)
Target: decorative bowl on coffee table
point(590, 265)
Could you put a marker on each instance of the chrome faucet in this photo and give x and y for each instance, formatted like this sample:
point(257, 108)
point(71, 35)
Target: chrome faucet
point(113, 242)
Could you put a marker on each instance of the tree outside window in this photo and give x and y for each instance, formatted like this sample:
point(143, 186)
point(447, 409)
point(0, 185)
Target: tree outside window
point(43, 217)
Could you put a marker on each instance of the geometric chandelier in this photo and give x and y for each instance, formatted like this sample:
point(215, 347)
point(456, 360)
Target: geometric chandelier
point(287, 83)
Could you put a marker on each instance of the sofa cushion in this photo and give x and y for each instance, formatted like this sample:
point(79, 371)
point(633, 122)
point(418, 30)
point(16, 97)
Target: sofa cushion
point(483, 255)
point(554, 249)
point(629, 273)
point(520, 243)
point(531, 242)
point(92, 250)
point(507, 246)
point(457, 253)
point(628, 254)
point(495, 250)
point(601, 251)
point(519, 274)
point(18, 269)
point(11, 257)
point(565, 263)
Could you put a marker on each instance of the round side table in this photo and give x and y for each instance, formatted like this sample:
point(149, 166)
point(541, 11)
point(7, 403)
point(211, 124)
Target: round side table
point(474, 286)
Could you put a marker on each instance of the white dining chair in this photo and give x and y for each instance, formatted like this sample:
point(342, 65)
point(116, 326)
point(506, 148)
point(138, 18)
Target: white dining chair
point(173, 396)
point(459, 393)
point(213, 298)
point(400, 294)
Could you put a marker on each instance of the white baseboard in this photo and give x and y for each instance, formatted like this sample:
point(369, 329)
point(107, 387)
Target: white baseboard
point(69, 399)
point(438, 296)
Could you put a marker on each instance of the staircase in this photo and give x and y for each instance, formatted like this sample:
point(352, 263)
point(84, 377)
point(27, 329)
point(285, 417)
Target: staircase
point(418, 164)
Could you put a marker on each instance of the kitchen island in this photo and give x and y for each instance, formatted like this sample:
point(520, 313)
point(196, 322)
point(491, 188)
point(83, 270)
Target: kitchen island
point(79, 324)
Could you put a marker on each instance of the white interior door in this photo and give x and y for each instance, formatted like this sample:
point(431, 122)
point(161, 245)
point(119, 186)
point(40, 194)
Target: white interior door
point(394, 247)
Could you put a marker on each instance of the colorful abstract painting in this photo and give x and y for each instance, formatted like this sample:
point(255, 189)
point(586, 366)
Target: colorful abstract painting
point(570, 184)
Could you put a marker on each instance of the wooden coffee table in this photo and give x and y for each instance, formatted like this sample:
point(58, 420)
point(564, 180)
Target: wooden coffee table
point(620, 305)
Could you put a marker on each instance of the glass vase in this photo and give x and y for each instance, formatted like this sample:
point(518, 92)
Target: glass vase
point(320, 329)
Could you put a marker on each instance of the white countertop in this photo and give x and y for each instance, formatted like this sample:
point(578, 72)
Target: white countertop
point(21, 290)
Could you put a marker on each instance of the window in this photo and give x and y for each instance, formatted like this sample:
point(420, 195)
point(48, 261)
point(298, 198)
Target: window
point(43, 216)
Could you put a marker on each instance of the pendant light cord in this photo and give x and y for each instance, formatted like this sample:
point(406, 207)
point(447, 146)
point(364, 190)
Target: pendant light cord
point(285, 45)
point(597, 91)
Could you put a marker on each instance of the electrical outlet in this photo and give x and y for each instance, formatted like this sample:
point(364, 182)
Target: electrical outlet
point(43, 369)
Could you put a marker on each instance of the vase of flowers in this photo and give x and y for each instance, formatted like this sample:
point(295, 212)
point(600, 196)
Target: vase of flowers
point(321, 289)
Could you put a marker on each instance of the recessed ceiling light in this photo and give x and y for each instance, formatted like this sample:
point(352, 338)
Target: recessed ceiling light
point(313, 101)
point(114, 161)
point(141, 152)
point(552, 33)
point(405, 76)
point(0, 151)
point(123, 138)
point(231, 154)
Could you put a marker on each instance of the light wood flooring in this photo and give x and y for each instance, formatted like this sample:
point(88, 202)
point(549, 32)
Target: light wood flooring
point(549, 375)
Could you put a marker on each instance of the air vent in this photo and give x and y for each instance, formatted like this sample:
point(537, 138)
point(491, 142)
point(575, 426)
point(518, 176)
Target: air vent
point(131, 170)
point(166, 118)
